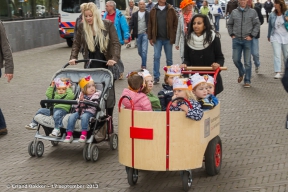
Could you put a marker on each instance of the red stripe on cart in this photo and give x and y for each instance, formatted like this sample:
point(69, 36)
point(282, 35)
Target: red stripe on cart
point(141, 133)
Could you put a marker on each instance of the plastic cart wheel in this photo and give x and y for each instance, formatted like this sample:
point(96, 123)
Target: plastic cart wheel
point(132, 176)
point(39, 149)
point(213, 156)
point(54, 143)
point(86, 154)
point(187, 180)
point(113, 141)
point(31, 150)
point(94, 153)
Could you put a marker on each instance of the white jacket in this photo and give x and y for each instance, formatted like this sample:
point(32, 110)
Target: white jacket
point(217, 10)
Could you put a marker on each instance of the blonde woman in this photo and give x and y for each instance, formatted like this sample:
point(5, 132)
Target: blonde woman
point(99, 41)
point(184, 19)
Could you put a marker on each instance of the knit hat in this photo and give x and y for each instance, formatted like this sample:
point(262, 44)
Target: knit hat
point(181, 83)
point(84, 81)
point(60, 84)
point(173, 70)
point(209, 79)
point(184, 3)
point(196, 79)
point(145, 73)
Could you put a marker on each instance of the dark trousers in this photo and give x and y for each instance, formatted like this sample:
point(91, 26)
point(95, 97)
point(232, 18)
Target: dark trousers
point(267, 15)
point(2, 121)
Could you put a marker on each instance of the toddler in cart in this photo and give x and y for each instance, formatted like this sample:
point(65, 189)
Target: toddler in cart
point(83, 112)
point(63, 91)
point(136, 84)
point(200, 89)
point(182, 88)
point(166, 93)
point(210, 89)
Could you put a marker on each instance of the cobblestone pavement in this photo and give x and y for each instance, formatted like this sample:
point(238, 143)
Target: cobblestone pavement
point(255, 143)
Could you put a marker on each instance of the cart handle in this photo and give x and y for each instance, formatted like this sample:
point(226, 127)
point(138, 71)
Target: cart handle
point(120, 102)
point(69, 102)
point(85, 60)
point(199, 68)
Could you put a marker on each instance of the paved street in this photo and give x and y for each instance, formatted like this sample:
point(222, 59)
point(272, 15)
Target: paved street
point(255, 143)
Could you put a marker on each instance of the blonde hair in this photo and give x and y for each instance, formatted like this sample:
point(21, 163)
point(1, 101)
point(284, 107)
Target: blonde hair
point(190, 95)
point(96, 29)
point(84, 89)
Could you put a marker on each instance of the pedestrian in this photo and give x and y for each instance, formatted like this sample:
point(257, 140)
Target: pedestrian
point(128, 14)
point(255, 40)
point(217, 12)
point(199, 4)
point(138, 25)
point(242, 32)
point(183, 21)
point(203, 47)
point(278, 35)
point(150, 5)
point(231, 5)
point(206, 10)
point(258, 4)
point(6, 60)
point(268, 6)
point(99, 41)
point(121, 26)
point(162, 27)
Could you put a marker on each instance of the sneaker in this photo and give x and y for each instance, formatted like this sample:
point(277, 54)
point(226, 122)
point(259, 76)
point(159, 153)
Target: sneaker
point(257, 70)
point(277, 76)
point(3, 131)
point(156, 81)
point(247, 85)
point(82, 139)
point(143, 67)
point(31, 126)
point(68, 139)
point(55, 133)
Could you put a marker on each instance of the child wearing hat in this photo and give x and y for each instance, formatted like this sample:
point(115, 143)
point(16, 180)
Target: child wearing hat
point(182, 88)
point(210, 89)
point(199, 88)
point(155, 102)
point(63, 91)
point(136, 84)
point(84, 112)
point(166, 93)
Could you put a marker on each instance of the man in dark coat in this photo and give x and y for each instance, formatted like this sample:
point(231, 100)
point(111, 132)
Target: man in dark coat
point(268, 6)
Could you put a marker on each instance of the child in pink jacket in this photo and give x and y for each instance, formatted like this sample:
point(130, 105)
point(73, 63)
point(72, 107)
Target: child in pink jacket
point(136, 84)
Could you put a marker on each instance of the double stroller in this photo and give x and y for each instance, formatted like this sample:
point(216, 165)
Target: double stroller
point(100, 126)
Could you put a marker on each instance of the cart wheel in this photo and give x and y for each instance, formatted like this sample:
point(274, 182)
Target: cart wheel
point(86, 155)
point(213, 156)
point(39, 149)
point(31, 150)
point(54, 143)
point(186, 180)
point(132, 176)
point(113, 141)
point(94, 153)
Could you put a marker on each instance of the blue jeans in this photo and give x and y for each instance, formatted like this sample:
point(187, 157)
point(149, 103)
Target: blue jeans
point(277, 48)
point(157, 55)
point(58, 115)
point(255, 51)
point(2, 121)
point(85, 117)
point(216, 24)
point(142, 43)
point(240, 45)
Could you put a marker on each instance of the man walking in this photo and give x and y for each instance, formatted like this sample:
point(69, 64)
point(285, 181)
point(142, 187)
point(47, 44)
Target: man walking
point(268, 6)
point(138, 24)
point(128, 14)
point(6, 60)
point(242, 31)
point(149, 5)
point(162, 27)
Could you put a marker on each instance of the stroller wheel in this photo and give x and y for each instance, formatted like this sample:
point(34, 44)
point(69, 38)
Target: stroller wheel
point(54, 143)
point(94, 153)
point(86, 154)
point(132, 176)
point(39, 149)
point(186, 180)
point(113, 141)
point(31, 150)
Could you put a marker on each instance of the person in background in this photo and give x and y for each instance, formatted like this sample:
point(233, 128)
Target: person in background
point(150, 5)
point(6, 59)
point(217, 12)
point(199, 4)
point(268, 6)
point(128, 14)
point(231, 5)
point(258, 4)
point(206, 10)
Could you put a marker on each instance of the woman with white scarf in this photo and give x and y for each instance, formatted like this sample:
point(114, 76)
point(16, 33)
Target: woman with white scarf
point(203, 47)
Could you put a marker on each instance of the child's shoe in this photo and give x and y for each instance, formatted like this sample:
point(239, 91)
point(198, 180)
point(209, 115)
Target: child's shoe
point(68, 139)
point(31, 126)
point(55, 133)
point(82, 139)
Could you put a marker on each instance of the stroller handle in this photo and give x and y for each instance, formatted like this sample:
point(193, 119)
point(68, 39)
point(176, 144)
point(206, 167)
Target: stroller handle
point(70, 102)
point(85, 60)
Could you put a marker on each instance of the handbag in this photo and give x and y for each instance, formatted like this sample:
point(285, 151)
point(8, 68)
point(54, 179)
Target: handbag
point(117, 69)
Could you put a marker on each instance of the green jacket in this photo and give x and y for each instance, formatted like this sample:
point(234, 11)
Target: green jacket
point(69, 95)
point(155, 102)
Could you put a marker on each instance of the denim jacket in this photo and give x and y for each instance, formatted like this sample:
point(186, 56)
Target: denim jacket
point(271, 23)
